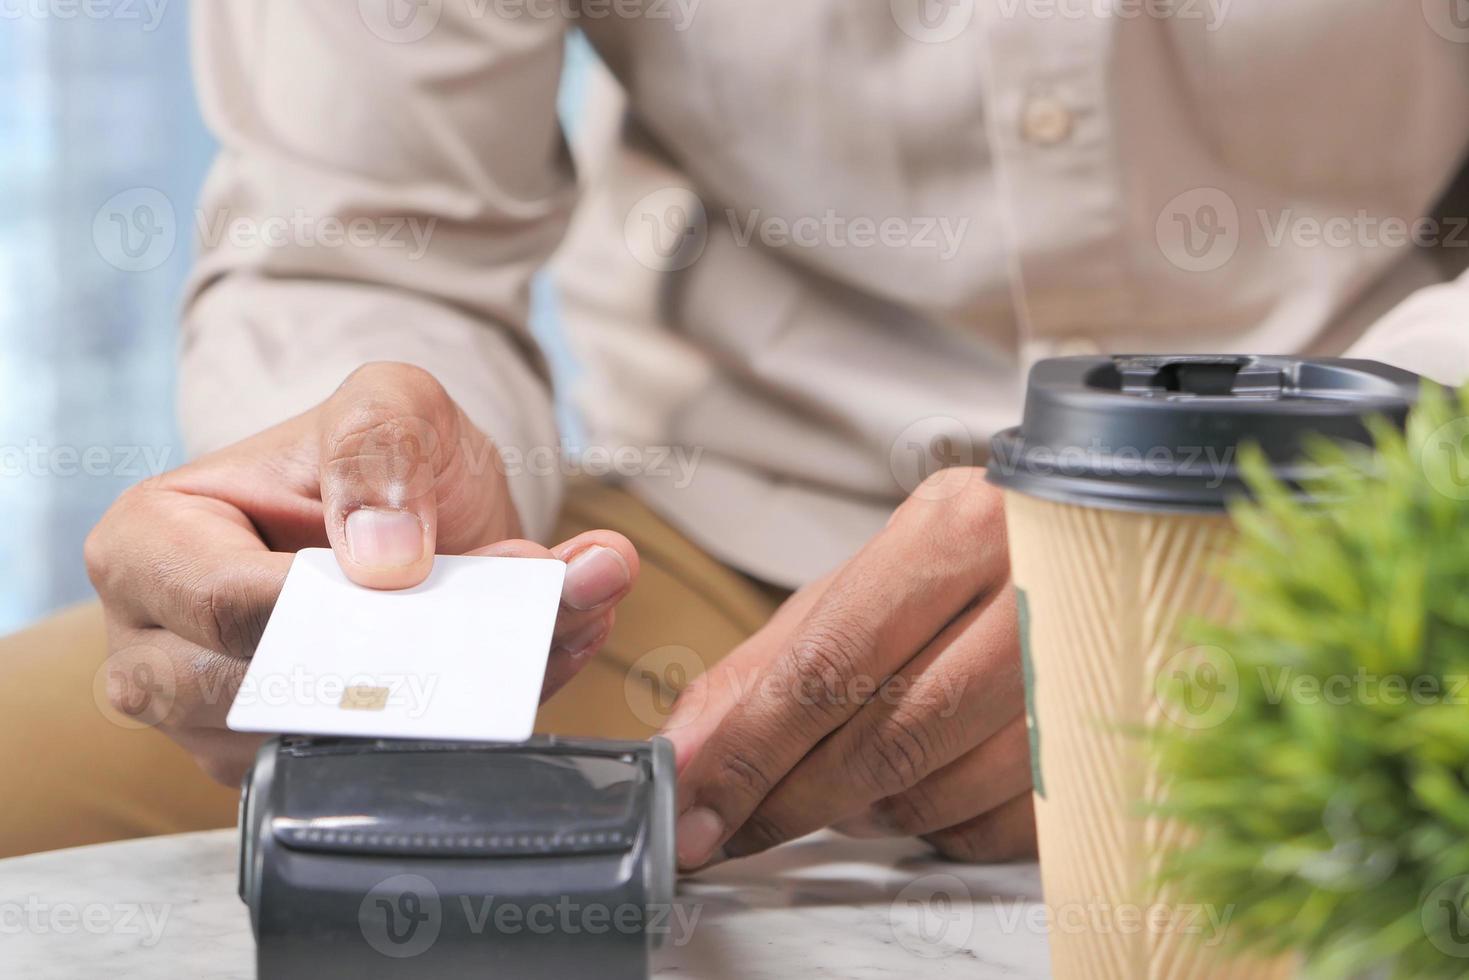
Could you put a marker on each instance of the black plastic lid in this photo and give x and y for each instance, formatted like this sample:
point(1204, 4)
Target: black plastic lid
point(1160, 432)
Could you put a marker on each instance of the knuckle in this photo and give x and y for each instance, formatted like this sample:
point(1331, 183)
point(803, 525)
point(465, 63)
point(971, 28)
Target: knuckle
point(376, 444)
point(761, 832)
point(962, 846)
point(936, 485)
point(688, 702)
point(739, 771)
point(985, 839)
point(96, 555)
point(141, 685)
point(912, 812)
point(896, 755)
point(959, 498)
point(217, 678)
point(99, 550)
point(981, 504)
point(822, 661)
point(391, 389)
point(369, 431)
point(122, 699)
point(223, 613)
point(397, 376)
point(694, 691)
point(119, 699)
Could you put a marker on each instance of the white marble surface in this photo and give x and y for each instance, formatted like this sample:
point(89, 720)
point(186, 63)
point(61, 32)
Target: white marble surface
point(821, 907)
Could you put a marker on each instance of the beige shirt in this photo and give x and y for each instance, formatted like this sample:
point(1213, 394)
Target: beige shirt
point(834, 234)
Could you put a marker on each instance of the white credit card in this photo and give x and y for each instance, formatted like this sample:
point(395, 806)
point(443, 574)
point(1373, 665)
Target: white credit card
point(461, 656)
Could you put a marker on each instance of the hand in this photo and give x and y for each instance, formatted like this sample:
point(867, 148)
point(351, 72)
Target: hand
point(886, 699)
point(387, 471)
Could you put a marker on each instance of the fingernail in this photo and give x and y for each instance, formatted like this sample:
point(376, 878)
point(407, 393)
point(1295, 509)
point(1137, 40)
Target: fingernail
point(593, 577)
point(583, 640)
point(698, 833)
point(384, 538)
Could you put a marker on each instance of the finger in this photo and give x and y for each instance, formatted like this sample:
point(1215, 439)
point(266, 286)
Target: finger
point(975, 783)
point(153, 679)
point(272, 476)
point(191, 565)
point(703, 704)
point(601, 569)
point(158, 679)
point(563, 663)
point(953, 696)
point(225, 756)
point(403, 475)
point(566, 662)
point(1006, 833)
point(884, 606)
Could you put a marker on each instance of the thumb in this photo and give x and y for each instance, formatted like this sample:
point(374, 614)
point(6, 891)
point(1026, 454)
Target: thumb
point(386, 436)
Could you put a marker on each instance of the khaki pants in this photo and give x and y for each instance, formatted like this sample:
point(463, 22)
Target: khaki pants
point(69, 776)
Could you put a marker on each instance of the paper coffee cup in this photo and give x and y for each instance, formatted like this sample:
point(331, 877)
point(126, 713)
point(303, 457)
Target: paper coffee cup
point(1116, 486)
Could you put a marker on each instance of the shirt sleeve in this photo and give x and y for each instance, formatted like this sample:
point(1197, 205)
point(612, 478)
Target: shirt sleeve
point(385, 189)
point(1427, 333)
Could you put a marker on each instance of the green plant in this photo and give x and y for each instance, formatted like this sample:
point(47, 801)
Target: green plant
point(1331, 805)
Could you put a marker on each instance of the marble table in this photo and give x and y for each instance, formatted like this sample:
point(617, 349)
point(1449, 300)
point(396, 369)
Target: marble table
point(821, 907)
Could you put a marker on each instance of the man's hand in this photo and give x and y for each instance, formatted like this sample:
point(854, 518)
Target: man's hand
point(884, 699)
point(388, 471)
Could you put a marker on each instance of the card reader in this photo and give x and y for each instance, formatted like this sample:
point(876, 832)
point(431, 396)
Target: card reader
point(373, 858)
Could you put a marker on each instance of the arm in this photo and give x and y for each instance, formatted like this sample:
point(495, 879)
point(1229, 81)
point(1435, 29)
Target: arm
point(334, 144)
point(375, 200)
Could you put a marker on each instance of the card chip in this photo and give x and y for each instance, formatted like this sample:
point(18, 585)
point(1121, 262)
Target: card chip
point(363, 698)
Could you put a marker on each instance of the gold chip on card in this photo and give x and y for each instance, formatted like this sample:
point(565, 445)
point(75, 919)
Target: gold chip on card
point(364, 698)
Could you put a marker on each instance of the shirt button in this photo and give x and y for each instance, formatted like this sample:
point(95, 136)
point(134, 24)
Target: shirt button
point(1045, 120)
